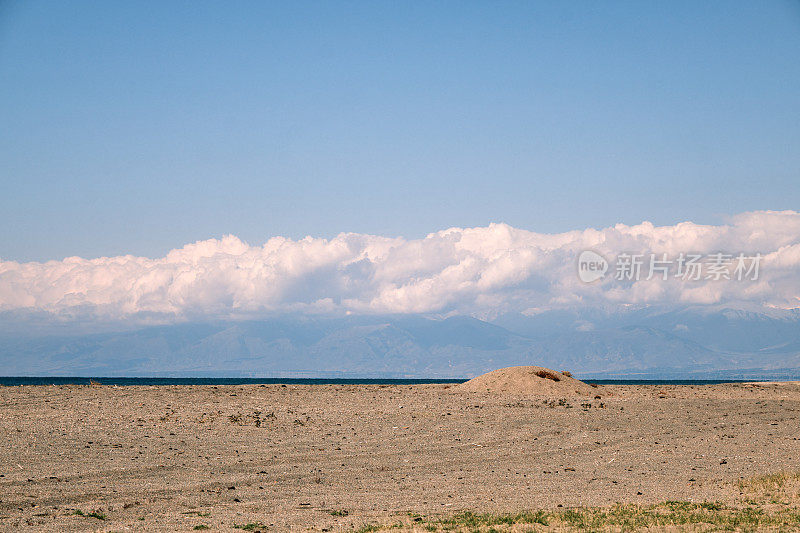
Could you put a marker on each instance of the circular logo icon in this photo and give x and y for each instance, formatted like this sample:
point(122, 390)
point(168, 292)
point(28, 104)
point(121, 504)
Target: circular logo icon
point(591, 266)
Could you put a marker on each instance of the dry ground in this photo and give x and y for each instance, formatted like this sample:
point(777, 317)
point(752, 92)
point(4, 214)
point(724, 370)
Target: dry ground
point(339, 457)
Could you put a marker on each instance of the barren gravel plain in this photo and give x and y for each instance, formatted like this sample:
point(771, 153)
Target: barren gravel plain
point(336, 457)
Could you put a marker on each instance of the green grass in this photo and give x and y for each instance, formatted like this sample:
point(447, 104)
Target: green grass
point(631, 517)
point(472, 520)
point(93, 514)
point(683, 515)
point(338, 512)
point(250, 526)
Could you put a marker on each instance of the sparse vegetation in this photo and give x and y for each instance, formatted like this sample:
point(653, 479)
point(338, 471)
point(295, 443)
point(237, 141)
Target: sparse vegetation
point(756, 512)
point(197, 513)
point(93, 514)
point(369, 528)
point(250, 526)
point(252, 419)
point(200, 526)
point(780, 487)
point(673, 513)
point(477, 521)
point(338, 512)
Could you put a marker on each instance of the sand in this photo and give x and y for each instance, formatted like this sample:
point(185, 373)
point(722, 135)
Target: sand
point(293, 457)
point(530, 380)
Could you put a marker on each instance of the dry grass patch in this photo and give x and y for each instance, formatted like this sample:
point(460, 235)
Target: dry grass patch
point(780, 487)
point(546, 374)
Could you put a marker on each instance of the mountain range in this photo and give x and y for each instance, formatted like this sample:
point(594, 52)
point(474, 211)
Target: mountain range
point(692, 343)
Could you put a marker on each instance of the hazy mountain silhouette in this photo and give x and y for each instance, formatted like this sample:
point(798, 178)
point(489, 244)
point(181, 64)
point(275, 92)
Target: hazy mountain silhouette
point(637, 343)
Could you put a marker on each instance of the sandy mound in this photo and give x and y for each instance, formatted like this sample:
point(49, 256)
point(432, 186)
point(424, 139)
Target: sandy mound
point(533, 380)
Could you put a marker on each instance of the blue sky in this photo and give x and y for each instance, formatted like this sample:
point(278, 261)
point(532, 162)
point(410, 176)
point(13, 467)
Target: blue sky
point(136, 127)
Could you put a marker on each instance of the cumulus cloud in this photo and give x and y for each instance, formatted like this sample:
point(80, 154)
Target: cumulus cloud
point(477, 271)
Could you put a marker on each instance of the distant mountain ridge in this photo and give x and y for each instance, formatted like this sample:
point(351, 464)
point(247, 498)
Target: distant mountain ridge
point(699, 343)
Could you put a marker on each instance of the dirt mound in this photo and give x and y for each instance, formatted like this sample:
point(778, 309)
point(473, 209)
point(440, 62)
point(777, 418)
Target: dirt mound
point(533, 380)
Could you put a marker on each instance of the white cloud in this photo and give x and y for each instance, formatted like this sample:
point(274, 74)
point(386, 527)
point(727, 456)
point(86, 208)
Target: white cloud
point(475, 270)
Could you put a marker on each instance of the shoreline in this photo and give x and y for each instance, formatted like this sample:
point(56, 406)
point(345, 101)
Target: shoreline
point(126, 381)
